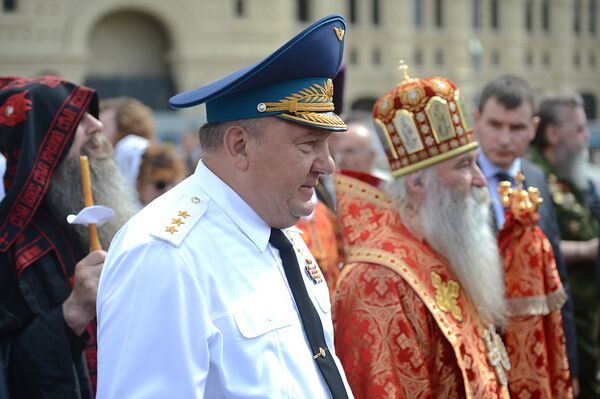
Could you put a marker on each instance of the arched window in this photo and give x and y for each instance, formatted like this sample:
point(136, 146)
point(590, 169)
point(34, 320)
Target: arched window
point(9, 5)
point(476, 8)
point(115, 70)
point(495, 14)
point(438, 10)
point(303, 10)
point(376, 12)
point(352, 11)
point(577, 16)
point(240, 8)
point(546, 15)
point(592, 16)
point(418, 13)
point(529, 15)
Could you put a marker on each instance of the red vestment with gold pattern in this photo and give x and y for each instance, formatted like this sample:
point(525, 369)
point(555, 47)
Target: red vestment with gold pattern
point(534, 333)
point(404, 327)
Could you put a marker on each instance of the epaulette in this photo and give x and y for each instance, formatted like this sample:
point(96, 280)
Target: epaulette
point(180, 220)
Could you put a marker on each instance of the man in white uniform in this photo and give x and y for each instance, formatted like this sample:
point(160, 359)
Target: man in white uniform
point(208, 291)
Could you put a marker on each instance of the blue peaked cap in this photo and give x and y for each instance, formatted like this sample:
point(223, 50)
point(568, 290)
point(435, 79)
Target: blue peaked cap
point(293, 83)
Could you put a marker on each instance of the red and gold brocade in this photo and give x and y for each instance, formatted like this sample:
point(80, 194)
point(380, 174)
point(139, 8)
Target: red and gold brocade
point(393, 338)
point(534, 334)
point(321, 235)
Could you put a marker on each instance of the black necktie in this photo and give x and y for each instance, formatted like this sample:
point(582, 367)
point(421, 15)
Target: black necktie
point(308, 314)
point(501, 176)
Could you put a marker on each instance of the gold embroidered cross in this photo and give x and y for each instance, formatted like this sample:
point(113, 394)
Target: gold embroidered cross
point(446, 295)
point(497, 355)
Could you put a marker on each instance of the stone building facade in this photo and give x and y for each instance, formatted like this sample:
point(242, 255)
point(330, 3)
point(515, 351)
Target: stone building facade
point(153, 48)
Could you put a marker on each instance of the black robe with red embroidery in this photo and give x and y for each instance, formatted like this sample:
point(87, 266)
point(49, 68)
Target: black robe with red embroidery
point(40, 356)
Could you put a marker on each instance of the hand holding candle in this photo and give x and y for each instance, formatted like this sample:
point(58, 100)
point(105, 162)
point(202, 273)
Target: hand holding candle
point(88, 200)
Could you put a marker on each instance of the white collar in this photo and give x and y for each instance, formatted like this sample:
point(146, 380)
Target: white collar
point(234, 206)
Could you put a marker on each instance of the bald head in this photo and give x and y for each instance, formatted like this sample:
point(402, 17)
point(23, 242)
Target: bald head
point(354, 149)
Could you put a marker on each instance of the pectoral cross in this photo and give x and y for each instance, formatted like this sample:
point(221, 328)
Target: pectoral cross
point(497, 355)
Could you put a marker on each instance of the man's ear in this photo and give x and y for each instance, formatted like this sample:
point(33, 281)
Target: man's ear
point(415, 186)
point(235, 145)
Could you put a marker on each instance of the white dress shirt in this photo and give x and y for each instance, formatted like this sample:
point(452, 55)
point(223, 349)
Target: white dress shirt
point(202, 308)
point(490, 170)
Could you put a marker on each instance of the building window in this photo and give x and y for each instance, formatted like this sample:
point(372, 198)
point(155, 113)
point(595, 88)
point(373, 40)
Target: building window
point(239, 8)
point(476, 8)
point(546, 59)
point(529, 15)
point(418, 13)
point(592, 59)
point(528, 58)
point(438, 10)
point(546, 15)
point(494, 14)
point(577, 16)
point(303, 10)
point(418, 57)
point(376, 56)
point(352, 11)
point(353, 57)
point(439, 57)
point(376, 19)
point(9, 5)
point(495, 58)
point(592, 17)
point(577, 60)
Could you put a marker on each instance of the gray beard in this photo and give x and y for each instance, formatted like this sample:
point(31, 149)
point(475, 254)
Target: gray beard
point(573, 167)
point(109, 188)
point(458, 227)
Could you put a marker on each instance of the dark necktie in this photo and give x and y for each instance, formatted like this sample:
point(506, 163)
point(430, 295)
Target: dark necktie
point(308, 314)
point(501, 176)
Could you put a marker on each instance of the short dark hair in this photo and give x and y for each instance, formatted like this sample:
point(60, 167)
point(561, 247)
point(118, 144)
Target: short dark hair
point(510, 91)
point(550, 112)
point(211, 134)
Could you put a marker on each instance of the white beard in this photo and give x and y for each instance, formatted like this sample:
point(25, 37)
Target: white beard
point(573, 167)
point(458, 227)
point(109, 188)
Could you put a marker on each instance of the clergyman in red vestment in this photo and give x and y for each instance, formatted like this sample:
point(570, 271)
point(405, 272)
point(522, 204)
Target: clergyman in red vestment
point(421, 296)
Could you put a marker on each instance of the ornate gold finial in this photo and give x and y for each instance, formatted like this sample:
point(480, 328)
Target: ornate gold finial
point(521, 202)
point(404, 68)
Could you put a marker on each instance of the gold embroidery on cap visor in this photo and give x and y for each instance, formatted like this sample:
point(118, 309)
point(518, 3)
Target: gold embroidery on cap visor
point(422, 122)
point(312, 105)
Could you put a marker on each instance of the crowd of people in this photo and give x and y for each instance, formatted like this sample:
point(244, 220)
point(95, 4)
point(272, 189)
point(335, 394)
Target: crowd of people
point(275, 259)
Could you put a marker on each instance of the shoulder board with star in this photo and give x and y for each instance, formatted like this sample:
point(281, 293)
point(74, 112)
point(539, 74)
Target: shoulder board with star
point(180, 219)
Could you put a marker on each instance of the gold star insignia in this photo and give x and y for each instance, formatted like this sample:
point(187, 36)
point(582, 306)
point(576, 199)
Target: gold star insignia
point(177, 221)
point(171, 229)
point(183, 214)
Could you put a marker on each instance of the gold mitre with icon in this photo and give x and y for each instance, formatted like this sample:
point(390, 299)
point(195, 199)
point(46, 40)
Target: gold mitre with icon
point(422, 122)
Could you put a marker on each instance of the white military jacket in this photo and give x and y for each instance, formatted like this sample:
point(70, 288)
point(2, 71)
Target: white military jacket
point(193, 302)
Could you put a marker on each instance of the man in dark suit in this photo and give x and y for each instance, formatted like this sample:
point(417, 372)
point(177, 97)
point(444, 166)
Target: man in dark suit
point(505, 125)
point(561, 151)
